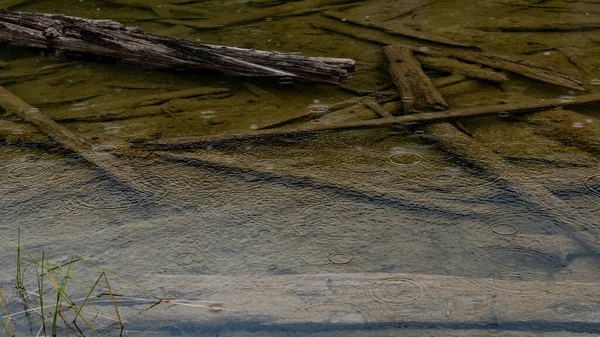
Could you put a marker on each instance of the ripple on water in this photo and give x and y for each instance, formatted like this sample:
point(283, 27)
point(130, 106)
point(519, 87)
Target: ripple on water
point(592, 185)
point(404, 158)
point(512, 264)
point(179, 252)
point(106, 194)
point(397, 297)
point(338, 218)
point(331, 312)
point(40, 173)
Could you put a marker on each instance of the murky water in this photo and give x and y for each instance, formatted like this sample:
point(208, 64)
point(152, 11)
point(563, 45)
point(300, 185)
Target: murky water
point(486, 225)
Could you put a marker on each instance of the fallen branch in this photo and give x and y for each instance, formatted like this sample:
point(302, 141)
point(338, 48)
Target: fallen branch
point(424, 118)
point(417, 92)
point(457, 142)
point(510, 64)
point(110, 39)
point(312, 112)
point(105, 161)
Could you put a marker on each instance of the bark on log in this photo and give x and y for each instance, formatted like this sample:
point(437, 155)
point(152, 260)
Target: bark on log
point(510, 64)
point(122, 173)
point(417, 92)
point(424, 118)
point(110, 39)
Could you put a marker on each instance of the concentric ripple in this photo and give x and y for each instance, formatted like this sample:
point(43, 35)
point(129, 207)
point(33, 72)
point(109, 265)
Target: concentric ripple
point(592, 185)
point(397, 297)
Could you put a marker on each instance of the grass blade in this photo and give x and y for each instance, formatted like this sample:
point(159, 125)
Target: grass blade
point(41, 293)
point(12, 329)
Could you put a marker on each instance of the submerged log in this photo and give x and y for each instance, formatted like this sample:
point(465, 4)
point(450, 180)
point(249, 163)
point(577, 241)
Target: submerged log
point(424, 118)
point(112, 40)
point(125, 175)
point(457, 67)
point(453, 140)
point(417, 92)
point(500, 62)
point(369, 302)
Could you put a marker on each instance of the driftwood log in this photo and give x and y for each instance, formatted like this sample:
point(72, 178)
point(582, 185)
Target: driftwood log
point(106, 38)
point(423, 118)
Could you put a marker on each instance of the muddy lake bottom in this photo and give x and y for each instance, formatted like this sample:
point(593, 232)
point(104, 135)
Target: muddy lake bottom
point(486, 225)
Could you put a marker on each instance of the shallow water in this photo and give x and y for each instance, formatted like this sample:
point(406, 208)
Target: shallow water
point(376, 232)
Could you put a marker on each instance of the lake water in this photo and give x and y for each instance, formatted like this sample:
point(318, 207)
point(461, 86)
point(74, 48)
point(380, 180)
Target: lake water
point(479, 226)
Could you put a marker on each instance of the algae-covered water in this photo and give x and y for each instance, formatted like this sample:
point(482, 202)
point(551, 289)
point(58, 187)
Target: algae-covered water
point(390, 231)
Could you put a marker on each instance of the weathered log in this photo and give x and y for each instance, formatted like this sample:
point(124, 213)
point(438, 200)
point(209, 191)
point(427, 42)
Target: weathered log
point(110, 39)
point(417, 92)
point(510, 64)
point(108, 163)
point(569, 127)
point(424, 118)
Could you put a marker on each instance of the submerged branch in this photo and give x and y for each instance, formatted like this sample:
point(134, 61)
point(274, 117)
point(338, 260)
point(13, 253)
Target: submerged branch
point(424, 118)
